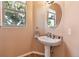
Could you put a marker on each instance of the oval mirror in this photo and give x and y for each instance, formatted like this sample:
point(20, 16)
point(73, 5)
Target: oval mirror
point(54, 15)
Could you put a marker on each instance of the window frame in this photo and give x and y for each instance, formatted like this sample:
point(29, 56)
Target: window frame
point(3, 16)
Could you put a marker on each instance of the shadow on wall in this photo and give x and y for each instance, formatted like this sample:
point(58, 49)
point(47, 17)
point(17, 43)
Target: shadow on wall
point(37, 46)
point(67, 51)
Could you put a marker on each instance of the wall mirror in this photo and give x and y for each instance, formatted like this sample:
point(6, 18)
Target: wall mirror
point(54, 15)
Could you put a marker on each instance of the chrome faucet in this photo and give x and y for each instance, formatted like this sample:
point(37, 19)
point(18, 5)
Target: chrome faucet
point(54, 36)
point(49, 34)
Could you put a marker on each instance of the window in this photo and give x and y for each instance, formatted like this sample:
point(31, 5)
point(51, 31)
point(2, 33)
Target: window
point(14, 13)
point(51, 18)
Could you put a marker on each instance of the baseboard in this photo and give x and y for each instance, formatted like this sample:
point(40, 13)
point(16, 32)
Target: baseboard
point(35, 52)
point(26, 54)
point(39, 53)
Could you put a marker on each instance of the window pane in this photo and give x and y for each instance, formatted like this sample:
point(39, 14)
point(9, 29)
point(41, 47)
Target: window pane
point(12, 18)
point(8, 4)
point(15, 5)
point(14, 13)
point(19, 6)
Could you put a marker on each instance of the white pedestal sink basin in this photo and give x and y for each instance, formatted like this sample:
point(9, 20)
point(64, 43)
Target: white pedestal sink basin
point(47, 41)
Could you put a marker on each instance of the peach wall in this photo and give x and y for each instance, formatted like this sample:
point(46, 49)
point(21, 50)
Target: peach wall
point(17, 41)
point(39, 16)
point(71, 23)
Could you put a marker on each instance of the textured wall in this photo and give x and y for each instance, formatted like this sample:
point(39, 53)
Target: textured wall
point(71, 29)
point(17, 41)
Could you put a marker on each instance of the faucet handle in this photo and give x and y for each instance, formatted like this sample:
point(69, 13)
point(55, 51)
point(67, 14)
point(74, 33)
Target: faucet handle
point(49, 34)
point(53, 36)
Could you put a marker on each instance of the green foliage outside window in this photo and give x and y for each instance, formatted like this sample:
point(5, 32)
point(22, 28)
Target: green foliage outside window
point(14, 13)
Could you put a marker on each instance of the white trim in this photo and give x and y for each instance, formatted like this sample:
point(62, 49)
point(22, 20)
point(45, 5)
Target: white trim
point(36, 52)
point(26, 54)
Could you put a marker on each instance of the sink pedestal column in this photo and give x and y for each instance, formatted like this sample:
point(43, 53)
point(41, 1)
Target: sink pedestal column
point(47, 51)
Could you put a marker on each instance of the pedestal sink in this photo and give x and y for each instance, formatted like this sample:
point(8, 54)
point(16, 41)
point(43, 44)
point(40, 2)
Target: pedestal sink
point(47, 41)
